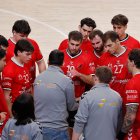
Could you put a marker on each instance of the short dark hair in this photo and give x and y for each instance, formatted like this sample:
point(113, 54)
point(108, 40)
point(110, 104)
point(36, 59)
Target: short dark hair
point(104, 74)
point(112, 35)
point(75, 35)
point(23, 45)
point(89, 22)
point(56, 57)
point(119, 20)
point(96, 32)
point(134, 55)
point(2, 53)
point(21, 26)
point(23, 109)
point(3, 41)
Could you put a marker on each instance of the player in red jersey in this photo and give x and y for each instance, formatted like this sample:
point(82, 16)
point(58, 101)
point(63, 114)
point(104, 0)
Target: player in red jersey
point(131, 125)
point(96, 38)
point(4, 113)
point(119, 23)
point(116, 58)
point(85, 27)
point(16, 78)
point(21, 29)
point(78, 64)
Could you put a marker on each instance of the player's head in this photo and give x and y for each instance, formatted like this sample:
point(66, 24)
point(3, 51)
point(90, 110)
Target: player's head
point(74, 42)
point(134, 59)
point(103, 74)
point(23, 109)
point(2, 59)
point(21, 29)
point(111, 42)
point(3, 43)
point(96, 38)
point(86, 26)
point(119, 23)
point(23, 50)
point(56, 58)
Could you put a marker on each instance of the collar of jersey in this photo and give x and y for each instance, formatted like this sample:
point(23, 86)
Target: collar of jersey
point(16, 62)
point(75, 55)
point(127, 36)
point(121, 52)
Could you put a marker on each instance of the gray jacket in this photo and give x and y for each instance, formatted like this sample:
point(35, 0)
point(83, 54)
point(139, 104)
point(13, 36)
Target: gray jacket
point(53, 96)
point(31, 131)
point(99, 113)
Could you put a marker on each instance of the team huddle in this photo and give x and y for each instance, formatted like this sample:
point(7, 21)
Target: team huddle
point(89, 90)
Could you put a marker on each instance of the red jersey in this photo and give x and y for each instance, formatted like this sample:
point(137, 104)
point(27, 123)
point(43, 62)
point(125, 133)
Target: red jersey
point(85, 46)
point(16, 77)
point(118, 64)
point(132, 92)
point(3, 108)
point(130, 42)
point(83, 63)
point(36, 56)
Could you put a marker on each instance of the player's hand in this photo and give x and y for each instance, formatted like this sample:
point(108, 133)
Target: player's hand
point(74, 73)
point(3, 116)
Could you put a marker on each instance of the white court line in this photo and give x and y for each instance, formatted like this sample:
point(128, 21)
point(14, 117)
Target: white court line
point(34, 20)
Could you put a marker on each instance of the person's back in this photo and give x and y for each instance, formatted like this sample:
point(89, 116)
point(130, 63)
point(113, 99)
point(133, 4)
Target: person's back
point(22, 125)
point(30, 131)
point(99, 112)
point(50, 103)
point(54, 97)
point(104, 108)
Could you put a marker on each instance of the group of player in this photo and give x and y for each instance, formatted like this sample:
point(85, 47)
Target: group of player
point(84, 51)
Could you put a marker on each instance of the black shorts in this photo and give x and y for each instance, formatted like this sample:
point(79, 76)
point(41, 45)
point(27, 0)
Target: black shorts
point(71, 118)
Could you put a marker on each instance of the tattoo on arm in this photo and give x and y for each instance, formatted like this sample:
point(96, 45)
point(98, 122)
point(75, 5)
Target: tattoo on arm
point(129, 118)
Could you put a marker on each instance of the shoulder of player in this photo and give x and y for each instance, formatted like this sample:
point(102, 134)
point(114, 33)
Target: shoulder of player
point(133, 39)
point(33, 42)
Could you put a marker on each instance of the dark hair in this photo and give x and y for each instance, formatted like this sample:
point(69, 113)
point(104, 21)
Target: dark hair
point(96, 32)
point(134, 55)
point(113, 36)
point(2, 53)
point(89, 22)
point(21, 26)
point(3, 41)
point(75, 35)
point(104, 74)
point(56, 57)
point(23, 109)
point(119, 20)
point(23, 45)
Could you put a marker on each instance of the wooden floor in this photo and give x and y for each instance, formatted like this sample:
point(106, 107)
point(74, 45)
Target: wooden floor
point(51, 20)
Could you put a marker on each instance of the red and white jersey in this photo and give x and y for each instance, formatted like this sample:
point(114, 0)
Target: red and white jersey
point(130, 42)
point(16, 77)
point(85, 46)
point(3, 108)
point(132, 93)
point(83, 63)
point(96, 59)
point(118, 65)
point(36, 56)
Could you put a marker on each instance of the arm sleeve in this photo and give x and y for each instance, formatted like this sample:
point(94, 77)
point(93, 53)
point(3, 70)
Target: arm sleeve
point(81, 116)
point(70, 97)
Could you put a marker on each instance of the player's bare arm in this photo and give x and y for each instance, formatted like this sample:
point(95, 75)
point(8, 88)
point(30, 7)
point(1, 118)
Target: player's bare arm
point(85, 78)
point(41, 65)
point(130, 116)
point(8, 100)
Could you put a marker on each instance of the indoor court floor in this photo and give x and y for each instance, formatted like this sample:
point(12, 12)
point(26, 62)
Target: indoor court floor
point(52, 20)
